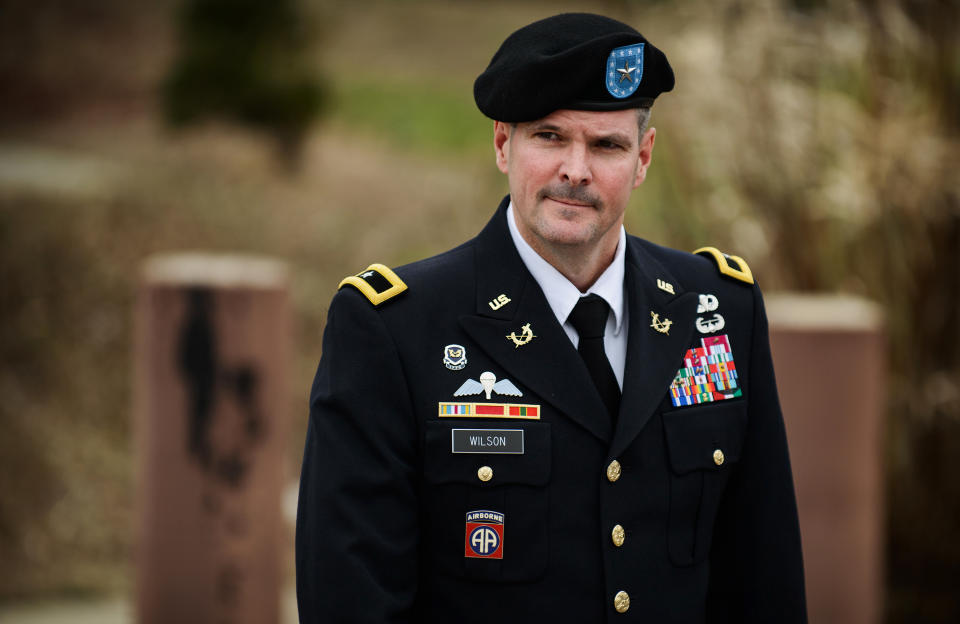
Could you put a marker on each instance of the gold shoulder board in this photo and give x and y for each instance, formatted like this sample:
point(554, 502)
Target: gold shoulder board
point(377, 283)
point(739, 272)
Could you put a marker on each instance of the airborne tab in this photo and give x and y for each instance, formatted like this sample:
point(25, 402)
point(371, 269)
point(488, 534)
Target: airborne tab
point(377, 283)
point(738, 271)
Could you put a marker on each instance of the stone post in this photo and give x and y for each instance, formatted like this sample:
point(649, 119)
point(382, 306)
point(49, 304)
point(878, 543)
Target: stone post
point(212, 349)
point(829, 355)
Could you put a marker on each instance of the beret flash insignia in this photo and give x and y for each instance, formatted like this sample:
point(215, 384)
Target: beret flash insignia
point(377, 283)
point(624, 70)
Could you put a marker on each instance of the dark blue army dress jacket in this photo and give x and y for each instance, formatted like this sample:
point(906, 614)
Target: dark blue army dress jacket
point(460, 465)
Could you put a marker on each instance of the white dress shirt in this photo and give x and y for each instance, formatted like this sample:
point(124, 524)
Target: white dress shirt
point(562, 295)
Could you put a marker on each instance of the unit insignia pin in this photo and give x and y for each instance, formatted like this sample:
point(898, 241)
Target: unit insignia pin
point(454, 356)
point(488, 384)
point(526, 336)
point(708, 303)
point(661, 326)
point(708, 326)
point(499, 302)
point(667, 286)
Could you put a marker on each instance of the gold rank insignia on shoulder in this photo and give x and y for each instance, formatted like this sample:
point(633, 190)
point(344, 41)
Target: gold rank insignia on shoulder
point(738, 270)
point(377, 283)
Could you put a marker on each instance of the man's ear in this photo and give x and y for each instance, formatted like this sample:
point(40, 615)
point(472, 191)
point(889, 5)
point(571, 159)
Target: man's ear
point(501, 138)
point(643, 158)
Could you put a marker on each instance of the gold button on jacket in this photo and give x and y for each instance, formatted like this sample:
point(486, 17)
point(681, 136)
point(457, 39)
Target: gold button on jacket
point(621, 602)
point(718, 457)
point(485, 473)
point(618, 535)
point(613, 471)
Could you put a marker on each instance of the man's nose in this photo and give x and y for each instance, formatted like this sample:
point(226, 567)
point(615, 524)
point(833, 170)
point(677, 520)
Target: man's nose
point(575, 167)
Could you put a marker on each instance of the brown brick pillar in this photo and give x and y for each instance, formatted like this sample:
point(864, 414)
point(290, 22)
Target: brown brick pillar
point(212, 348)
point(829, 354)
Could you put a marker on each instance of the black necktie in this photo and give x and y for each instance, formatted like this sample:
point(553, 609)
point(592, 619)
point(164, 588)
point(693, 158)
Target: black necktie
point(589, 318)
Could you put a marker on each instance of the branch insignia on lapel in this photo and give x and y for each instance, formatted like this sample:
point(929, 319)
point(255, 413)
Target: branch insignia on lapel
point(661, 326)
point(525, 336)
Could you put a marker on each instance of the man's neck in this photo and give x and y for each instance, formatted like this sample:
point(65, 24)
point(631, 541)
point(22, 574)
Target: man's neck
point(581, 264)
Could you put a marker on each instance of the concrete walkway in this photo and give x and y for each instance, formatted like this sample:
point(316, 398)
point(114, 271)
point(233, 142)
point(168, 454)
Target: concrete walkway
point(108, 611)
point(115, 610)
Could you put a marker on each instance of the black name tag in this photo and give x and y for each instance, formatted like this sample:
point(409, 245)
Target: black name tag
point(505, 441)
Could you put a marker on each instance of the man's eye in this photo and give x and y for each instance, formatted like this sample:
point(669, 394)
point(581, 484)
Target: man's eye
point(548, 136)
point(608, 145)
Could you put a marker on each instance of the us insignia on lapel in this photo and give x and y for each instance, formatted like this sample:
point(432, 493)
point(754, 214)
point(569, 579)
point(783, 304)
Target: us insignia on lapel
point(708, 374)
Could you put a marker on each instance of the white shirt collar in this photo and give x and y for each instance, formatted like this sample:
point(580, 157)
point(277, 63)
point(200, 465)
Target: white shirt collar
point(560, 292)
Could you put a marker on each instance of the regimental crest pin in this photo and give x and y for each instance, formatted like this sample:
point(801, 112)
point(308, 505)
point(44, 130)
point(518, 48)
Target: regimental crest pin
point(488, 384)
point(454, 356)
point(624, 70)
point(484, 535)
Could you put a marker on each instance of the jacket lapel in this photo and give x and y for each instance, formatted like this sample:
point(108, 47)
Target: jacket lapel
point(653, 357)
point(547, 365)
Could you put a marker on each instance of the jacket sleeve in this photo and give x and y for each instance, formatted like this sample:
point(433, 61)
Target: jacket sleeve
point(756, 570)
point(357, 527)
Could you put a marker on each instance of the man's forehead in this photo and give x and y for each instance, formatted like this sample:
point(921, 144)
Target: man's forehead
point(593, 123)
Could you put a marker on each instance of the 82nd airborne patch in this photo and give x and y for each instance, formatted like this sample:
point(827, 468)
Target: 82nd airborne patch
point(484, 536)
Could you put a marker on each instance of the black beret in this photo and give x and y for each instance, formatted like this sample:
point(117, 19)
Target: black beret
point(576, 61)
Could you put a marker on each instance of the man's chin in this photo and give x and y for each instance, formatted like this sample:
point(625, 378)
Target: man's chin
point(567, 233)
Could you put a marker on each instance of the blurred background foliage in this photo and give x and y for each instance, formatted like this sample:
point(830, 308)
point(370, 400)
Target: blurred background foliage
point(816, 138)
point(245, 60)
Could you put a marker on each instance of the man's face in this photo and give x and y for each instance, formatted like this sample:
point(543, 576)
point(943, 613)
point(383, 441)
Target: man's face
point(571, 175)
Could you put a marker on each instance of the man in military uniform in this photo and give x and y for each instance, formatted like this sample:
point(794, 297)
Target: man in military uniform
point(553, 422)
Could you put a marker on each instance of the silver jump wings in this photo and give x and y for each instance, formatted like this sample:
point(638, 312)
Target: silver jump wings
point(488, 384)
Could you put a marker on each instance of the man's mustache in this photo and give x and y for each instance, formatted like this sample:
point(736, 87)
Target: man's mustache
point(577, 194)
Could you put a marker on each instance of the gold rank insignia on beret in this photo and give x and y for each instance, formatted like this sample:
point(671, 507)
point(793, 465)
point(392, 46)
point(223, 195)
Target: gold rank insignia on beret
point(377, 283)
point(739, 272)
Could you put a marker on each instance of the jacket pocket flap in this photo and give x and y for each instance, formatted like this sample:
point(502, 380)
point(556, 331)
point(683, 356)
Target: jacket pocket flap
point(706, 437)
point(525, 459)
